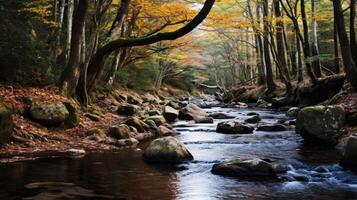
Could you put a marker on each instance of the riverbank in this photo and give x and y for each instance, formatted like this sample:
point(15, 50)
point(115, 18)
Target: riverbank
point(88, 128)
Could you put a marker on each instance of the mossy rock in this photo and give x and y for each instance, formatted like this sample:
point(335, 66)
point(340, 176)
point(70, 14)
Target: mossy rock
point(121, 131)
point(49, 114)
point(127, 109)
point(96, 132)
point(74, 114)
point(6, 124)
point(233, 127)
point(134, 100)
point(138, 124)
point(93, 117)
point(167, 150)
point(158, 119)
point(321, 123)
point(151, 123)
point(153, 112)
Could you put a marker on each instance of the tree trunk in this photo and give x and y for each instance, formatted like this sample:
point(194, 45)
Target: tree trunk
point(306, 44)
point(353, 30)
point(281, 54)
point(336, 48)
point(299, 60)
point(72, 72)
point(60, 23)
point(70, 8)
point(315, 50)
point(269, 72)
point(349, 65)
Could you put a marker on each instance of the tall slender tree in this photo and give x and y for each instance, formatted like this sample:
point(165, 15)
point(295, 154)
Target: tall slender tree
point(71, 74)
point(271, 86)
point(349, 64)
point(314, 46)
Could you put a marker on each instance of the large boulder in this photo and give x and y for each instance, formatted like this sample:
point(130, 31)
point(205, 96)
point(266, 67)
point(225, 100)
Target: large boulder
point(158, 119)
point(167, 150)
point(170, 113)
point(233, 127)
point(350, 156)
point(244, 168)
point(49, 114)
point(192, 112)
point(321, 123)
point(127, 109)
point(138, 124)
point(6, 124)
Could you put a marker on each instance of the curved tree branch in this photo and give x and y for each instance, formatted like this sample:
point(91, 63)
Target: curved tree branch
point(96, 62)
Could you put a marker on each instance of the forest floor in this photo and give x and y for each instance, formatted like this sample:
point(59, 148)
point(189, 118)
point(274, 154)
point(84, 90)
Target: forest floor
point(32, 139)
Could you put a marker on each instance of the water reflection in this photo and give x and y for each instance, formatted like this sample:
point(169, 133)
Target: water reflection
point(124, 175)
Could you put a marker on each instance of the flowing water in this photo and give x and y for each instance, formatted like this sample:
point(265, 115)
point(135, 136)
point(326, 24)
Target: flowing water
point(313, 172)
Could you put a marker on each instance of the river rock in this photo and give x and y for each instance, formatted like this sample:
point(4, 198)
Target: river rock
point(220, 115)
point(138, 124)
point(149, 98)
point(321, 123)
point(151, 123)
point(252, 114)
point(233, 127)
point(261, 103)
point(170, 113)
point(49, 114)
point(153, 112)
point(174, 105)
point(244, 168)
point(253, 120)
point(293, 112)
point(6, 124)
point(134, 100)
point(204, 120)
point(271, 127)
point(164, 131)
point(127, 109)
point(158, 119)
point(350, 156)
point(192, 112)
point(95, 132)
point(166, 150)
point(121, 131)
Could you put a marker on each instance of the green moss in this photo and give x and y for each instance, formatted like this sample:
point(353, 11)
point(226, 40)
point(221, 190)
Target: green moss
point(74, 114)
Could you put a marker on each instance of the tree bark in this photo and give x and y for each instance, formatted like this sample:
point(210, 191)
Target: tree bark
point(70, 8)
point(269, 72)
point(299, 59)
point(336, 48)
point(316, 65)
point(306, 43)
point(353, 30)
point(97, 59)
point(72, 71)
point(281, 53)
point(349, 65)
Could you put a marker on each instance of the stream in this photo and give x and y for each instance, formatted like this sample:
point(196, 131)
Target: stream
point(313, 171)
